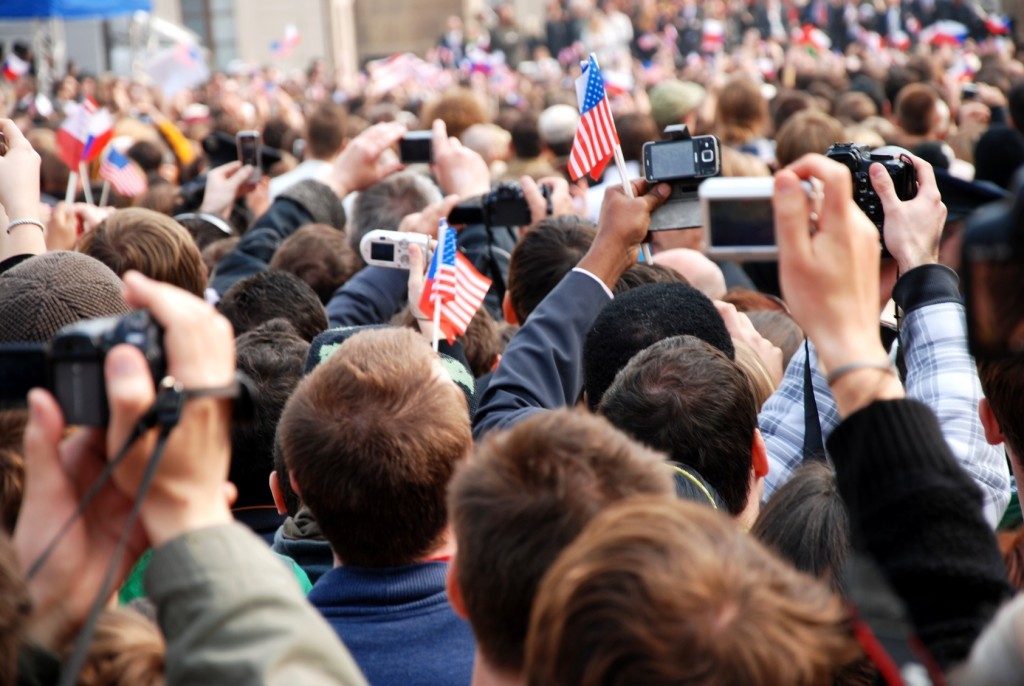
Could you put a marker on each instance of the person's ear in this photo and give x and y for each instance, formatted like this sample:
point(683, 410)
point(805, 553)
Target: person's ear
point(759, 455)
point(275, 491)
point(451, 584)
point(506, 310)
point(993, 434)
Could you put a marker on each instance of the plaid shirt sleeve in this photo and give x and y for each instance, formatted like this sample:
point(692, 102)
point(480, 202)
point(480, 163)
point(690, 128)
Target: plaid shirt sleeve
point(940, 373)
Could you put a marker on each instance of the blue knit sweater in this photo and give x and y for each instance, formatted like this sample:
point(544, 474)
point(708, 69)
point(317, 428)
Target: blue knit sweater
point(397, 624)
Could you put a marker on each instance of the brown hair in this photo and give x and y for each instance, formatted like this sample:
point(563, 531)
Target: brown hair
point(371, 438)
point(325, 130)
point(149, 242)
point(746, 300)
point(915, 108)
point(128, 650)
point(543, 256)
point(781, 330)
point(321, 256)
point(669, 592)
point(459, 109)
point(15, 609)
point(806, 132)
point(12, 466)
point(742, 112)
point(853, 107)
point(761, 384)
point(1002, 381)
point(216, 251)
point(521, 498)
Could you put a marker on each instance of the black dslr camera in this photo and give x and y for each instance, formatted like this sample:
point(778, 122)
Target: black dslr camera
point(71, 365)
point(504, 205)
point(858, 158)
point(992, 271)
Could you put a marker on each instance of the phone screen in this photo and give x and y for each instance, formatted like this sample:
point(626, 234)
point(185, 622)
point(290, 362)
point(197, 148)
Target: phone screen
point(741, 223)
point(672, 160)
point(249, 149)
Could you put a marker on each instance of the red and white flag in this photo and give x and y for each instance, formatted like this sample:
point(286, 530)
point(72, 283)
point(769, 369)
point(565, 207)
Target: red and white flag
point(596, 137)
point(84, 133)
point(126, 178)
point(15, 67)
point(454, 285)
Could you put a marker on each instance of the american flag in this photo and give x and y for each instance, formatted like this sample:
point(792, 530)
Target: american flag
point(454, 285)
point(123, 175)
point(596, 137)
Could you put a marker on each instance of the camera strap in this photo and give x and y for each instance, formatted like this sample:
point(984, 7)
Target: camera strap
point(165, 412)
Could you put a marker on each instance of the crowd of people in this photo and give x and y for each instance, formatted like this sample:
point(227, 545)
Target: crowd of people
point(625, 471)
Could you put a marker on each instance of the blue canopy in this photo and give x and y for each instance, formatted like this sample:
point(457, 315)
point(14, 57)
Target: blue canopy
point(70, 9)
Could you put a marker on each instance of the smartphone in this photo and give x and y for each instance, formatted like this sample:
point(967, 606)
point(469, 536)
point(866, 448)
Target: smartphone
point(250, 152)
point(969, 91)
point(382, 248)
point(737, 218)
point(696, 158)
point(417, 147)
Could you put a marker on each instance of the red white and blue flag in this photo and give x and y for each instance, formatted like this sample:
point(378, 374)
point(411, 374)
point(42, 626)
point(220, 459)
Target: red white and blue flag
point(126, 178)
point(596, 137)
point(84, 133)
point(997, 25)
point(454, 285)
point(282, 48)
point(15, 67)
point(945, 32)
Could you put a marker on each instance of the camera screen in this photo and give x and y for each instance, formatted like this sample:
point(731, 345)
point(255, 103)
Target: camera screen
point(382, 251)
point(741, 223)
point(672, 160)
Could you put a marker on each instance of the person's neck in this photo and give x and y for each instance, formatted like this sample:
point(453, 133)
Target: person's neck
point(486, 675)
point(443, 551)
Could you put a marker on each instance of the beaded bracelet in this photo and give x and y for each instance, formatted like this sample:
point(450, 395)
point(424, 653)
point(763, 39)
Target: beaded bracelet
point(842, 371)
point(21, 222)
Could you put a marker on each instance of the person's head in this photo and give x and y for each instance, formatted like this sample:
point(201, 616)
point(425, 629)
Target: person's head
point(676, 102)
point(806, 523)
point(643, 274)
point(788, 103)
point(15, 611)
point(269, 295)
point(557, 127)
point(746, 300)
point(698, 270)
point(53, 173)
point(320, 255)
point(325, 131)
point(853, 107)
point(458, 108)
point(384, 204)
point(686, 398)
point(998, 154)
point(273, 356)
point(1002, 408)
point(779, 328)
point(520, 499)
point(49, 291)
point(760, 379)
point(482, 343)
point(741, 114)
point(150, 243)
point(127, 648)
point(662, 592)
point(371, 438)
point(148, 155)
point(634, 130)
point(806, 132)
point(544, 255)
point(526, 137)
point(916, 111)
point(639, 318)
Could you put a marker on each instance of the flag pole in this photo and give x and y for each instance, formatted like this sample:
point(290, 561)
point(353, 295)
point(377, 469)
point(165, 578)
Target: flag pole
point(620, 162)
point(83, 171)
point(105, 193)
point(436, 297)
point(69, 194)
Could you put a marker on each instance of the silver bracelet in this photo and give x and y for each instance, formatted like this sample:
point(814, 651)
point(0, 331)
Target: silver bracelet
point(21, 222)
point(842, 371)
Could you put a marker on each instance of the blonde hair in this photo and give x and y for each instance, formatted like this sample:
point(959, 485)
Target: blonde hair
point(128, 650)
point(761, 384)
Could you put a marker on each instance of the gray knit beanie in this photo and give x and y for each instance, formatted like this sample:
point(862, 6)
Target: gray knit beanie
point(49, 291)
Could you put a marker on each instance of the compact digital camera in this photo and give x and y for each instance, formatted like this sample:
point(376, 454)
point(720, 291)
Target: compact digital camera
point(391, 248)
point(71, 365)
point(858, 159)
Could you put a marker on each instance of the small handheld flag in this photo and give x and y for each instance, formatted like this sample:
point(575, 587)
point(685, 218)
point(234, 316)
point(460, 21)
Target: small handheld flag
point(15, 67)
point(123, 175)
point(596, 137)
point(84, 134)
point(453, 285)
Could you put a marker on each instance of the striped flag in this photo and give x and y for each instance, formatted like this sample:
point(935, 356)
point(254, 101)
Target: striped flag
point(454, 285)
point(123, 175)
point(15, 67)
point(596, 137)
point(84, 133)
